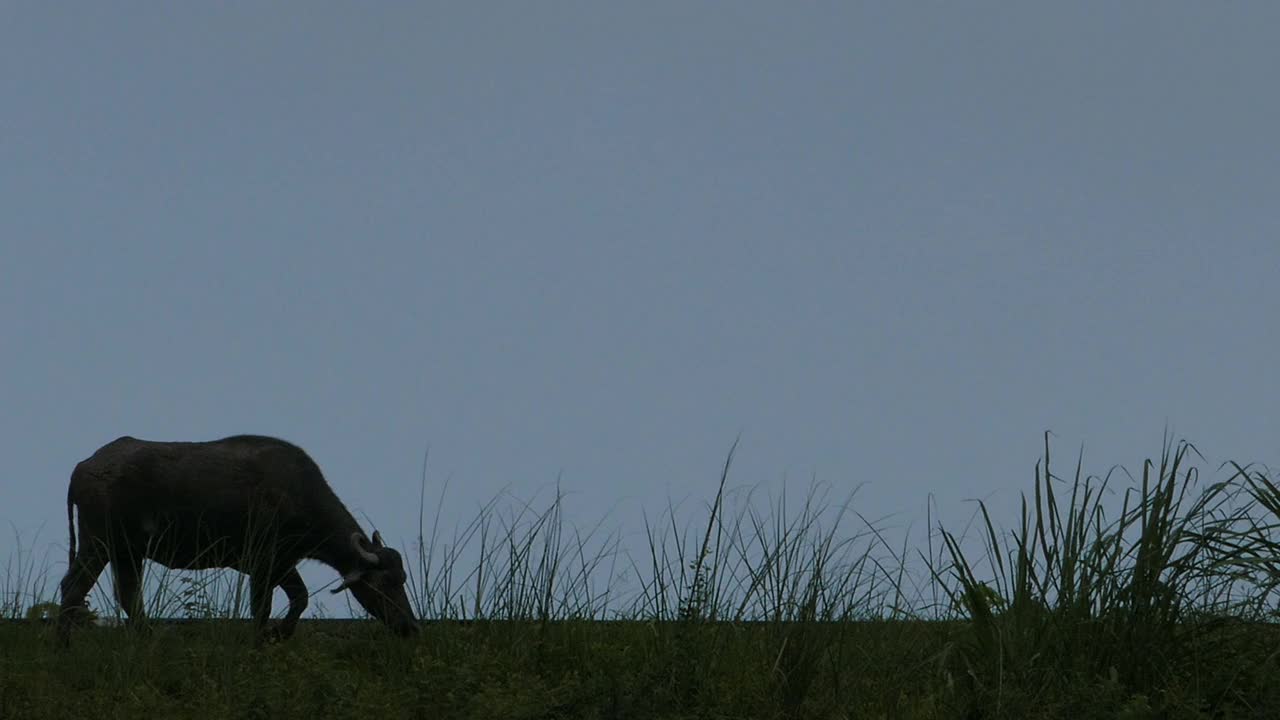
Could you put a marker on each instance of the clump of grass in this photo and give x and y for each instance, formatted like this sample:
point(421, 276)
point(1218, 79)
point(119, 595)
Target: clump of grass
point(26, 579)
point(1256, 546)
point(1079, 593)
point(526, 565)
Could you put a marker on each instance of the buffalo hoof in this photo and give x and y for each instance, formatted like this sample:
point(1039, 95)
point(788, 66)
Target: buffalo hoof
point(274, 634)
point(139, 628)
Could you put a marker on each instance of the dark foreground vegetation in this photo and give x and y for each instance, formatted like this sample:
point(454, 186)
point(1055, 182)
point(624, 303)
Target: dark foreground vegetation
point(1144, 594)
point(488, 670)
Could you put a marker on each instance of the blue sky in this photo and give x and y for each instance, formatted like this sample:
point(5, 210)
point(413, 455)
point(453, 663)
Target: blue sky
point(888, 243)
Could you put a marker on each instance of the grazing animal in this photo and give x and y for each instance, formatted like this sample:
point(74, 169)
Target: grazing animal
point(256, 504)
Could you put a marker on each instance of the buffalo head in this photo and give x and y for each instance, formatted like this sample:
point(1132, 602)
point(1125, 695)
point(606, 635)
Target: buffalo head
point(378, 584)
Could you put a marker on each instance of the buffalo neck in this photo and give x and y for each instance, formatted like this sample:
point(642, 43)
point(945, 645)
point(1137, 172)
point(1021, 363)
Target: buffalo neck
point(335, 549)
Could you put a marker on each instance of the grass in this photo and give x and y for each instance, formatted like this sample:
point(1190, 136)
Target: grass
point(1145, 595)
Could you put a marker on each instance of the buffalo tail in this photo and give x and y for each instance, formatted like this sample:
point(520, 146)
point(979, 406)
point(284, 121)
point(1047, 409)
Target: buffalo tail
point(71, 531)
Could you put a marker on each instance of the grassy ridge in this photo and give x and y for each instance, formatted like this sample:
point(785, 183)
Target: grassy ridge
point(1121, 596)
point(586, 669)
point(480, 670)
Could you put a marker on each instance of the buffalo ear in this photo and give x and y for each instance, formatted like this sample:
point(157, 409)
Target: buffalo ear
point(377, 539)
point(348, 580)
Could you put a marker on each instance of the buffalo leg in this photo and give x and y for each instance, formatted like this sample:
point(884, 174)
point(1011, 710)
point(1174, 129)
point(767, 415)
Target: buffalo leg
point(260, 587)
point(260, 591)
point(80, 578)
point(126, 570)
point(293, 586)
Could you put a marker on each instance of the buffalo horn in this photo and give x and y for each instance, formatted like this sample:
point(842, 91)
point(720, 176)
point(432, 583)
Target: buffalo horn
point(357, 542)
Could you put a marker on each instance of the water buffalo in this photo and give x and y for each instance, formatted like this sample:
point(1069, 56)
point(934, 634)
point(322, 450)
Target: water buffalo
point(256, 504)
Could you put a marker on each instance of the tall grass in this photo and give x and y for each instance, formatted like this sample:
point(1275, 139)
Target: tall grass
point(1079, 588)
point(25, 585)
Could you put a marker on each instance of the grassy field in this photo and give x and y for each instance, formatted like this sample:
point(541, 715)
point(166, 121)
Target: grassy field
point(1143, 595)
point(586, 669)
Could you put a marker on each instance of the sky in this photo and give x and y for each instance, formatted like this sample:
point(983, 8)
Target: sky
point(885, 246)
